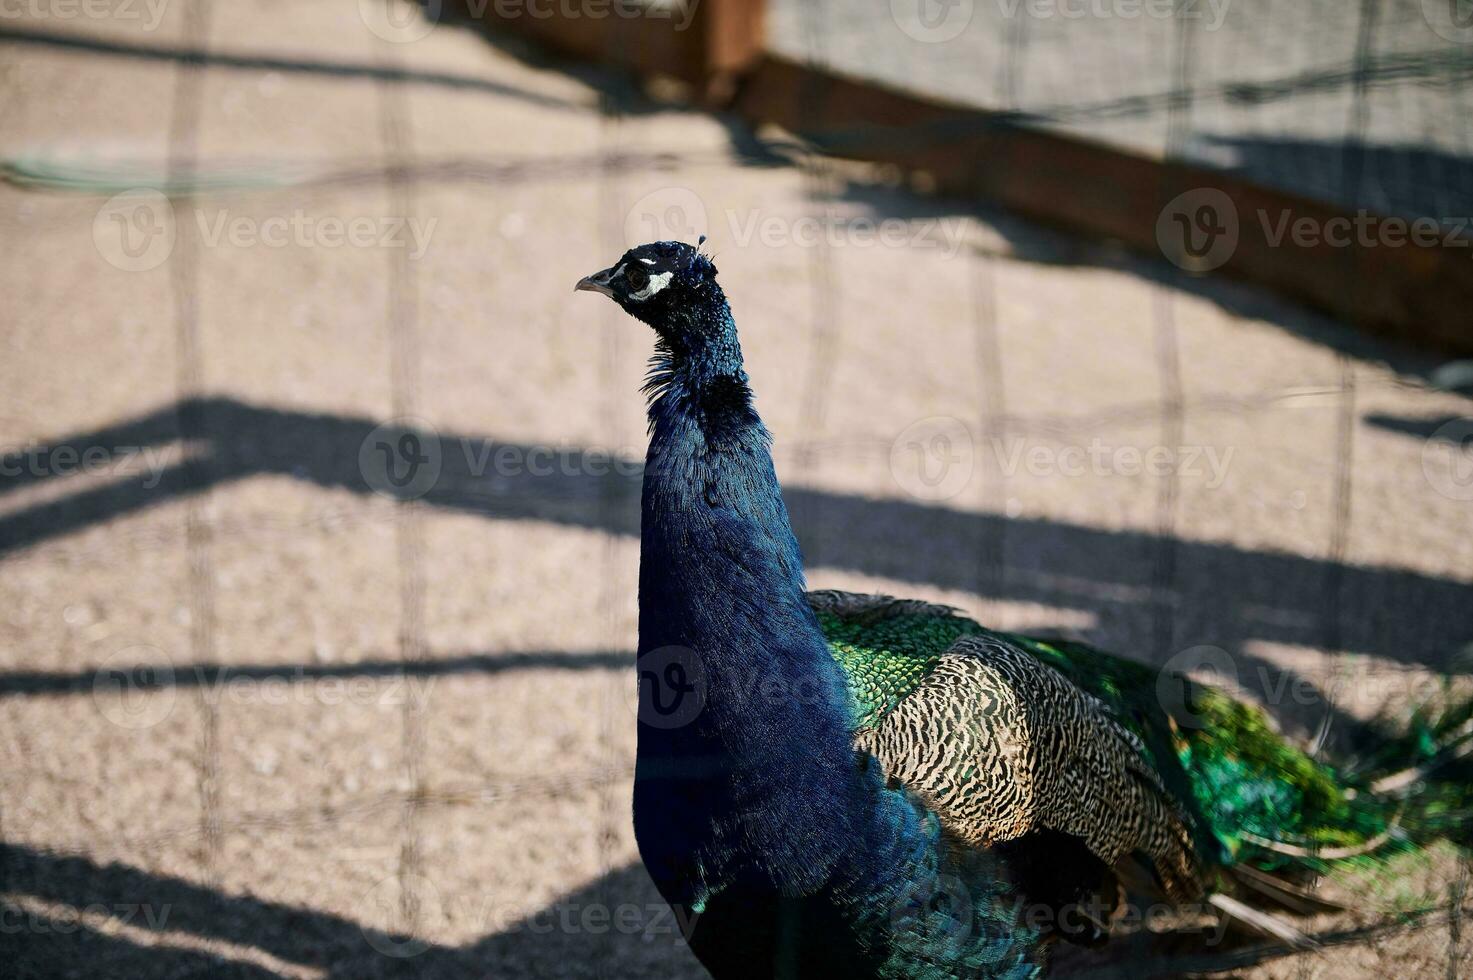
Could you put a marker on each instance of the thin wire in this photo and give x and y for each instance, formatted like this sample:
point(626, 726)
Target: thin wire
point(1168, 367)
point(200, 529)
point(822, 335)
point(1351, 178)
point(992, 558)
point(188, 381)
point(610, 816)
point(992, 565)
point(404, 373)
point(1014, 48)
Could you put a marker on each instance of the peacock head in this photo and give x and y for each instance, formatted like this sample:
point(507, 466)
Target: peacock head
point(669, 285)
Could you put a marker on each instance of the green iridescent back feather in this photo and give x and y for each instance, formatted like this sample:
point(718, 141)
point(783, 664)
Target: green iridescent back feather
point(1253, 795)
point(885, 660)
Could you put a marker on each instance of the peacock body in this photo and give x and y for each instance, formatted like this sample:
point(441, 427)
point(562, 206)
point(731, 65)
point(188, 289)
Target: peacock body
point(857, 786)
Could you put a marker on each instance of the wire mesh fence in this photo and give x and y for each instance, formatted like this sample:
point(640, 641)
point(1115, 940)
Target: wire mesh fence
point(1135, 555)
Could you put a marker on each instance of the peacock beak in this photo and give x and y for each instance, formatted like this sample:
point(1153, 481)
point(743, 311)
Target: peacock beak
point(597, 283)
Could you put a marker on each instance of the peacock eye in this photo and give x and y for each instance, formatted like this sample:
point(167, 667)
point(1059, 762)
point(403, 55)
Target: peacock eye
point(637, 277)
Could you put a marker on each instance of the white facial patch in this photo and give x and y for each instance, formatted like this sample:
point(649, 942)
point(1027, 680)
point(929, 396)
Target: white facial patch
point(657, 282)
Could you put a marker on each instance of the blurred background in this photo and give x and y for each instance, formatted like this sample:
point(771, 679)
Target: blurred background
point(1145, 322)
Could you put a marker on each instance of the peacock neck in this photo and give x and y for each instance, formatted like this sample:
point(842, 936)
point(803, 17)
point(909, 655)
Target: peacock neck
point(753, 787)
point(748, 793)
point(767, 752)
point(720, 569)
point(709, 478)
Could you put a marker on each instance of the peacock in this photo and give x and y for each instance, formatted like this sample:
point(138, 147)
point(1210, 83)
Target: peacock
point(830, 784)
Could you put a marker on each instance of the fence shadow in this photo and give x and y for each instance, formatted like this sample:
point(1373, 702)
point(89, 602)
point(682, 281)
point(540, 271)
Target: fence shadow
point(1223, 595)
point(141, 923)
point(1220, 595)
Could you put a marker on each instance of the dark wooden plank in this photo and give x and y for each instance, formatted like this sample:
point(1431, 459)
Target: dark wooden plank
point(1416, 291)
point(706, 43)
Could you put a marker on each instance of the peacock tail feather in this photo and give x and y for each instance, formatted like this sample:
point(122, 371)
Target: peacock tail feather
point(1249, 796)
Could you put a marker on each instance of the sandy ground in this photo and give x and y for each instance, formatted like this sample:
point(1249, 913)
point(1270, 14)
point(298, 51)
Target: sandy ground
point(317, 558)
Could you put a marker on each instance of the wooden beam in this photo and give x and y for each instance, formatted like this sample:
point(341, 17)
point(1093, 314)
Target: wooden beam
point(1417, 291)
point(1354, 265)
point(706, 43)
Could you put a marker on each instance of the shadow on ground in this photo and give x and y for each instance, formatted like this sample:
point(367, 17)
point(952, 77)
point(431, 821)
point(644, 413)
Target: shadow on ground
point(143, 924)
point(1242, 594)
point(164, 920)
point(1216, 594)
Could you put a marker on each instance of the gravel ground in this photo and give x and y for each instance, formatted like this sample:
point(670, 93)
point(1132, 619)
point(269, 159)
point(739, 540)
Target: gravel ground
point(272, 705)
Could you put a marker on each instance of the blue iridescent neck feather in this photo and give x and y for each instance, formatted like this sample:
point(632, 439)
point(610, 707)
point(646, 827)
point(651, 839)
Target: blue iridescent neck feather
point(721, 576)
point(753, 809)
